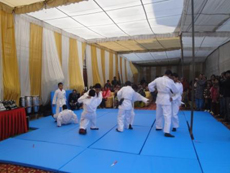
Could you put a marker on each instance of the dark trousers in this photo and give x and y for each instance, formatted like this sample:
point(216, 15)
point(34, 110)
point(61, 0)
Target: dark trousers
point(103, 103)
point(227, 108)
point(208, 104)
point(199, 104)
point(222, 107)
point(216, 108)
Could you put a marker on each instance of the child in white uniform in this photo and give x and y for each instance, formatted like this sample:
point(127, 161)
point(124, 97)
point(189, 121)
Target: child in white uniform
point(59, 99)
point(90, 103)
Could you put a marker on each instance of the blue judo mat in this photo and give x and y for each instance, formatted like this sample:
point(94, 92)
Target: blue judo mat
point(142, 149)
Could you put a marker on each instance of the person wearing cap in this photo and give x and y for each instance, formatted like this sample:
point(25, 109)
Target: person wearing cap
point(176, 102)
point(90, 103)
point(126, 96)
point(165, 87)
point(66, 117)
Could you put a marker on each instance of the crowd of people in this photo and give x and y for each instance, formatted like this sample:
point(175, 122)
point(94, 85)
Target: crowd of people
point(213, 95)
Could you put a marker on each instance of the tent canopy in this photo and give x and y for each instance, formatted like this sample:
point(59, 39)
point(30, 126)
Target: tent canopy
point(141, 29)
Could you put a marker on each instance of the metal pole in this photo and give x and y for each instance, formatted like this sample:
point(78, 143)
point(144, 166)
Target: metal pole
point(182, 57)
point(193, 71)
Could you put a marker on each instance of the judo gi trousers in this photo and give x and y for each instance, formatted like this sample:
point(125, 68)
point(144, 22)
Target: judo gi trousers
point(132, 117)
point(164, 111)
point(87, 118)
point(123, 119)
point(175, 111)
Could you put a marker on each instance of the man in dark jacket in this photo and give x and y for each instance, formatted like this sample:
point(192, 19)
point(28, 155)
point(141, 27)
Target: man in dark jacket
point(199, 94)
point(73, 100)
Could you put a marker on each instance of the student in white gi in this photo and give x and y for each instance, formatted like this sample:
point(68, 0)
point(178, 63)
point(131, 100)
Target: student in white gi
point(176, 102)
point(165, 86)
point(66, 117)
point(90, 103)
point(59, 99)
point(128, 95)
point(137, 97)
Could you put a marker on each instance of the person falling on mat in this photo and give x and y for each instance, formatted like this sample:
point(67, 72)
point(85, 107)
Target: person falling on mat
point(66, 117)
point(126, 97)
point(59, 99)
point(165, 87)
point(90, 103)
point(176, 102)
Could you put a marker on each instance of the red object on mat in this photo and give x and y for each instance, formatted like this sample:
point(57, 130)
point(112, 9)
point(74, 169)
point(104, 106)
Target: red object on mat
point(12, 123)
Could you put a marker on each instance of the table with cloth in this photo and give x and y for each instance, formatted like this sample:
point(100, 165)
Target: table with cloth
point(12, 122)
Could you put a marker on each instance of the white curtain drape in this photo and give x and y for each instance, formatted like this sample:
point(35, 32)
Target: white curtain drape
point(119, 68)
point(100, 66)
point(51, 68)
point(129, 72)
point(89, 66)
point(65, 60)
point(22, 36)
point(123, 70)
point(106, 66)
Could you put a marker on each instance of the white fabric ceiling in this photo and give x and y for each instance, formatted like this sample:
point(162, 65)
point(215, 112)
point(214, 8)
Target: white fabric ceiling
point(96, 20)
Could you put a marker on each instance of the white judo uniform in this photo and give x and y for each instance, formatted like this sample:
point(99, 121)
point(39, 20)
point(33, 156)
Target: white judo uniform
point(89, 110)
point(165, 86)
point(66, 117)
point(137, 97)
point(59, 100)
point(126, 108)
point(176, 102)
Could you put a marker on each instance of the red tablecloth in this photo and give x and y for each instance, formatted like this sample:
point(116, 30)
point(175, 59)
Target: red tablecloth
point(12, 122)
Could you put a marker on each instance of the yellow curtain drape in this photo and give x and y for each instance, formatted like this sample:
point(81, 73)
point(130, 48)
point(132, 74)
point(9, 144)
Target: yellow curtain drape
point(126, 73)
point(134, 71)
point(110, 66)
point(116, 64)
point(103, 63)
point(95, 70)
point(75, 77)
point(11, 83)
point(24, 8)
point(121, 79)
point(35, 62)
point(58, 40)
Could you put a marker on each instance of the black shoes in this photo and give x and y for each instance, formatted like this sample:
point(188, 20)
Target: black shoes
point(117, 130)
point(174, 129)
point(95, 128)
point(158, 129)
point(169, 135)
point(82, 131)
point(130, 127)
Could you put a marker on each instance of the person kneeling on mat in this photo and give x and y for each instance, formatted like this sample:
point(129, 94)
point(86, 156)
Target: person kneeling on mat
point(66, 117)
point(90, 104)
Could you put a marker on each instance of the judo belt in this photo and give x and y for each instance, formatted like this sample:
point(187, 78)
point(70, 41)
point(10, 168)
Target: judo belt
point(121, 101)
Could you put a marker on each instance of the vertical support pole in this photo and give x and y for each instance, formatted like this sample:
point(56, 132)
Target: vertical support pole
point(193, 70)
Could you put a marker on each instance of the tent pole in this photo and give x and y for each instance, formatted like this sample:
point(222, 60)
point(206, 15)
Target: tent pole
point(193, 71)
point(182, 57)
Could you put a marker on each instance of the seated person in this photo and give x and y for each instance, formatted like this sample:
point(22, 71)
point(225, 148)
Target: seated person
point(66, 117)
point(105, 94)
point(73, 100)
